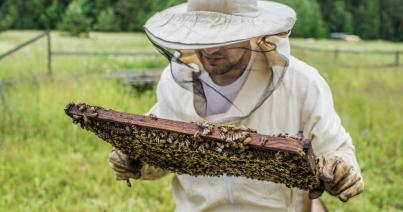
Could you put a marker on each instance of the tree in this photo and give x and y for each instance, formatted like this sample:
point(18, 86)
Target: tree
point(74, 21)
point(8, 15)
point(107, 21)
point(392, 20)
point(336, 16)
point(134, 13)
point(128, 12)
point(309, 18)
point(367, 19)
point(20, 14)
point(52, 14)
point(371, 19)
point(29, 13)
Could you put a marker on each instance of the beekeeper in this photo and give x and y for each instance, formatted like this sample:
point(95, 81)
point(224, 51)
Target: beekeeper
point(230, 62)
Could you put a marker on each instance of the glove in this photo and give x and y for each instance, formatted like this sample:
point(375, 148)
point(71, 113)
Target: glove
point(125, 166)
point(338, 177)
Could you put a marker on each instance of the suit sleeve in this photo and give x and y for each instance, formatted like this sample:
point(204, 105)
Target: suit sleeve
point(322, 124)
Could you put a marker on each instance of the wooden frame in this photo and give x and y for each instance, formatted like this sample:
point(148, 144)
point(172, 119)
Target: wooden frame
point(283, 148)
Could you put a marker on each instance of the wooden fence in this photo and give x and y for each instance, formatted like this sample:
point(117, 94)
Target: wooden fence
point(50, 52)
point(336, 52)
point(147, 78)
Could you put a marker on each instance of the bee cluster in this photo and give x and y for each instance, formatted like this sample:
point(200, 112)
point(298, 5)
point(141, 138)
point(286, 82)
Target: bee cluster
point(198, 155)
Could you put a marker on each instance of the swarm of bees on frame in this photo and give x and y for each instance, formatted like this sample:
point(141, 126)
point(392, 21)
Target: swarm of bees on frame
point(195, 155)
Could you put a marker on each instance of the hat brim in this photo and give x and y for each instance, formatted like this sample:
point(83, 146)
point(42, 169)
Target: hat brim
point(177, 28)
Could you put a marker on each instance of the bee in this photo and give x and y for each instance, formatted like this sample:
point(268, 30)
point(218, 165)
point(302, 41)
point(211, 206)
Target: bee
point(206, 131)
point(263, 140)
point(93, 115)
point(77, 117)
point(91, 109)
point(228, 138)
point(241, 135)
point(208, 125)
point(222, 136)
point(81, 108)
point(247, 140)
point(224, 129)
point(163, 134)
point(196, 136)
point(152, 116)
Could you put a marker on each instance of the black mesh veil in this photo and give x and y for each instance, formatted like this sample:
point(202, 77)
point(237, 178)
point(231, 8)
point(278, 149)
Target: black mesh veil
point(268, 60)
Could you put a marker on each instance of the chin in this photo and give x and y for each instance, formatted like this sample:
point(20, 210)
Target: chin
point(212, 69)
point(215, 71)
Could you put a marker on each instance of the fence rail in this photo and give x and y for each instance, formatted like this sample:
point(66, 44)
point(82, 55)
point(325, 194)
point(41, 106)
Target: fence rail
point(354, 51)
point(22, 45)
point(6, 110)
point(137, 54)
point(338, 51)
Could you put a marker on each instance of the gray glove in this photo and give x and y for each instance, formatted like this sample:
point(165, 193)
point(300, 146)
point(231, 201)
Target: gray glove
point(125, 166)
point(339, 178)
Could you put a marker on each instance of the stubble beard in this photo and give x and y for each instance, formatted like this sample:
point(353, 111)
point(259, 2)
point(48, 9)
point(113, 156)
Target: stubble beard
point(225, 68)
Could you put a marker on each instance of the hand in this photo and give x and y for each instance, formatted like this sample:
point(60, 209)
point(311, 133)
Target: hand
point(339, 178)
point(125, 166)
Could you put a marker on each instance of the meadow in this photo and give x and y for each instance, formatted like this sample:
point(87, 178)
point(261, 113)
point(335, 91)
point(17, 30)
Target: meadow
point(49, 164)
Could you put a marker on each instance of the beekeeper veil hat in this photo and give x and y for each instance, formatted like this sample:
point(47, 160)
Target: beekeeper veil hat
point(180, 31)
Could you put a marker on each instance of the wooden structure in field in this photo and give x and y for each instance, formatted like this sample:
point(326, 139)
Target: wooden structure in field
point(202, 148)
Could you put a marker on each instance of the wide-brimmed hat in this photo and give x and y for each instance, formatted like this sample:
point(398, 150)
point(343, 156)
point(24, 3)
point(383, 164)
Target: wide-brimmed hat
point(207, 23)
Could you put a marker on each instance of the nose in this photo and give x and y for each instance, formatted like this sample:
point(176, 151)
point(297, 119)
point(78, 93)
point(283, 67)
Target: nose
point(211, 51)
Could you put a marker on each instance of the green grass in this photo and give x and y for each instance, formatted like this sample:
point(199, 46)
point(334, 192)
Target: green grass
point(49, 164)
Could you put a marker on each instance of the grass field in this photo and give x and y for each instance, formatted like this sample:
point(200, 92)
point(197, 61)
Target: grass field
point(48, 164)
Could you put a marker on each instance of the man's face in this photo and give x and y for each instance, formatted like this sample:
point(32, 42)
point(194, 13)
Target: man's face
point(220, 60)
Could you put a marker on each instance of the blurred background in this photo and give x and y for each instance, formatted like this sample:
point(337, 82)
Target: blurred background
point(53, 52)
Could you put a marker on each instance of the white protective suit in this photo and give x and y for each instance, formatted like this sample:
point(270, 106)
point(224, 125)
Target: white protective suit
point(303, 101)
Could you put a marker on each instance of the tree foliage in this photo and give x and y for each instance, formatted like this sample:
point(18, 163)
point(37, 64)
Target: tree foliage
point(391, 19)
point(309, 18)
point(337, 16)
point(52, 14)
point(8, 15)
point(107, 21)
point(371, 19)
point(74, 20)
point(368, 20)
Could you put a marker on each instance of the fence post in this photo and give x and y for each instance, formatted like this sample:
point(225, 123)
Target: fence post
point(49, 47)
point(397, 58)
point(6, 110)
